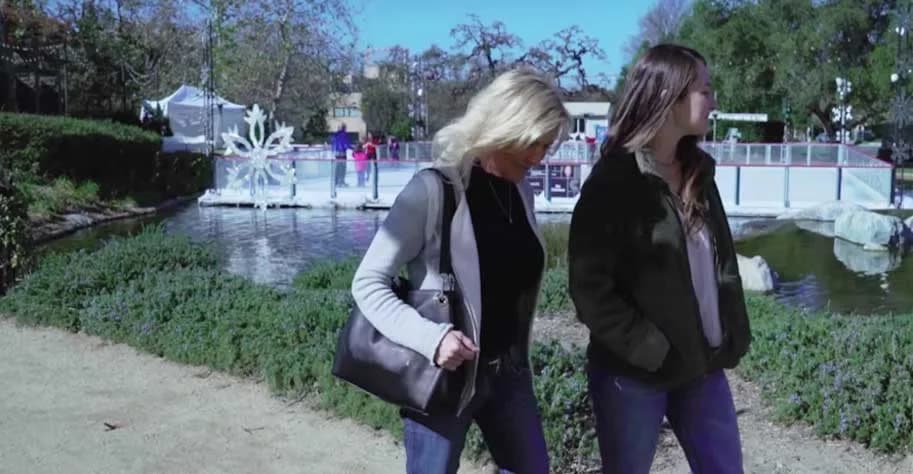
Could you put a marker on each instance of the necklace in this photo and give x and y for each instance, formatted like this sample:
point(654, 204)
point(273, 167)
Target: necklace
point(508, 211)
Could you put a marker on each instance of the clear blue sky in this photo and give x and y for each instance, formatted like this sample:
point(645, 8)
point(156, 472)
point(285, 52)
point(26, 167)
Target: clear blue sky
point(418, 24)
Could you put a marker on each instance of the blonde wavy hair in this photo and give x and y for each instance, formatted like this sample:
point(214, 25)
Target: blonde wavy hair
point(518, 109)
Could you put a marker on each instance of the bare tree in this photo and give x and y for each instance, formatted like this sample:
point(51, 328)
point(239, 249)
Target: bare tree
point(489, 45)
point(481, 51)
point(491, 49)
point(563, 55)
point(660, 23)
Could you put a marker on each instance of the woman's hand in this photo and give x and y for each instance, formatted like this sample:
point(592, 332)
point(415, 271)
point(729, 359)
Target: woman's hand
point(455, 348)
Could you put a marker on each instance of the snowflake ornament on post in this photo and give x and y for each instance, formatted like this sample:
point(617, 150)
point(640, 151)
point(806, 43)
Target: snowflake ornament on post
point(256, 169)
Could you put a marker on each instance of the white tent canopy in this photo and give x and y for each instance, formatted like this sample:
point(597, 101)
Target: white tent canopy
point(183, 92)
point(186, 111)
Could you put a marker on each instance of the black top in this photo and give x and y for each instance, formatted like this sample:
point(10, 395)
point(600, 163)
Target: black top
point(510, 257)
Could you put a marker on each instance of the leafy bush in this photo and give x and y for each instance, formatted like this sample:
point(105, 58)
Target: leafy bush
point(59, 195)
point(119, 158)
point(181, 173)
point(561, 388)
point(63, 283)
point(553, 296)
point(163, 294)
point(327, 276)
point(14, 235)
point(62, 163)
point(556, 238)
point(847, 375)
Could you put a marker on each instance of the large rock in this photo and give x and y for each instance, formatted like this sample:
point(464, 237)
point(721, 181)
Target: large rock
point(750, 228)
point(756, 274)
point(828, 211)
point(818, 227)
point(870, 229)
point(78, 220)
point(859, 260)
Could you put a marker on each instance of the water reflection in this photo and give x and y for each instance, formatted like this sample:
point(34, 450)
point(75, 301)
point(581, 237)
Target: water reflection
point(819, 272)
point(815, 271)
point(866, 262)
point(273, 247)
point(807, 292)
point(269, 248)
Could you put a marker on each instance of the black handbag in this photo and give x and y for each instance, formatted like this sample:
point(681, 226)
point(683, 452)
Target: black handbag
point(397, 374)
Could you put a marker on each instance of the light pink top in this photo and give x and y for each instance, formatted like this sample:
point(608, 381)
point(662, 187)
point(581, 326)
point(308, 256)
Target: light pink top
point(703, 277)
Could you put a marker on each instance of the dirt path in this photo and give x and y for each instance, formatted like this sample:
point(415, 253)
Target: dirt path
point(59, 390)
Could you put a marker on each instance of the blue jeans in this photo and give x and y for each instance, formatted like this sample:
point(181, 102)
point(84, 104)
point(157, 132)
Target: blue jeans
point(505, 410)
point(629, 415)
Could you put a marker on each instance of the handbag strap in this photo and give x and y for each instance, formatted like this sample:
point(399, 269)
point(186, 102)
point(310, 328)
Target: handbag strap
point(445, 267)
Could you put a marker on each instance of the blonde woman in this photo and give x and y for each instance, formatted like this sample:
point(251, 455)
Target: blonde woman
point(498, 260)
point(653, 274)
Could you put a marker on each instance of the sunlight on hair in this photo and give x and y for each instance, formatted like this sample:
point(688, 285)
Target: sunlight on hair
point(518, 109)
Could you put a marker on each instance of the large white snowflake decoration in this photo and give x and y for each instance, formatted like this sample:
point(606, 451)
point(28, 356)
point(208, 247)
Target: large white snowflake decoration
point(255, 169)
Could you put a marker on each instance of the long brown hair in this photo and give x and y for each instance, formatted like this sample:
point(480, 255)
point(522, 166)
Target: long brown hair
point(661, 78)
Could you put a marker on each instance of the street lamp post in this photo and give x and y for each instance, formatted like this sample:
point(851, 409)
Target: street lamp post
point(843, 111)
point(787, 121)
point(418, 100)
point(410, 77)
point(902, 105)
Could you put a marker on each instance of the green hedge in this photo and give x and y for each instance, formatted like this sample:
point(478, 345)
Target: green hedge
point(850, 377)
point(62, 163)
point(118, 157)
point(181, 173)
point(58, 195)
point(14, 235)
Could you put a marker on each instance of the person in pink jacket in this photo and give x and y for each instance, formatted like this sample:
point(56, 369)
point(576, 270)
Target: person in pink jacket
point(361, 164)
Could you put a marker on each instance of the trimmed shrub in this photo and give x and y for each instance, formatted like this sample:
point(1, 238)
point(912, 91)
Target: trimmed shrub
point(63, 283)
point(848, 376)
point(14, 235)
point(119, 158)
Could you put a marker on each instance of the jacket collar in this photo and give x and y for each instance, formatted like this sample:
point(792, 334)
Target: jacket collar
point(646, 162)
point(647, 165)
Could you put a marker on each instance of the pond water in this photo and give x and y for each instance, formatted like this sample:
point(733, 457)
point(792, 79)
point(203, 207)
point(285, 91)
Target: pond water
point(816, 272)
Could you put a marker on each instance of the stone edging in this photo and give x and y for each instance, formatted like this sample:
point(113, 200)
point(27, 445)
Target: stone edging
point(74, 221)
